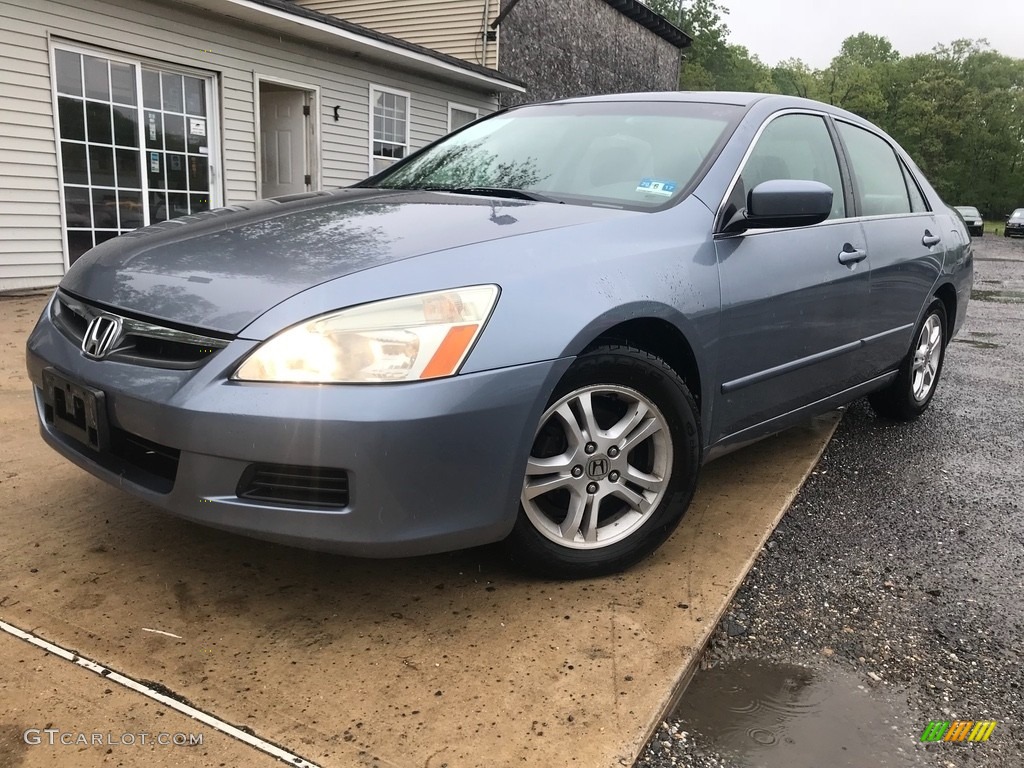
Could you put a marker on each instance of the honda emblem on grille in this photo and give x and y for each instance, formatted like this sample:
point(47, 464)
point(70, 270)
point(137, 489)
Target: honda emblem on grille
point(101, 336)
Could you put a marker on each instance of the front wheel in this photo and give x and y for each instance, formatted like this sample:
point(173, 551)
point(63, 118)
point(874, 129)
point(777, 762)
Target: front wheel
point(911, 391)
point(612, 468)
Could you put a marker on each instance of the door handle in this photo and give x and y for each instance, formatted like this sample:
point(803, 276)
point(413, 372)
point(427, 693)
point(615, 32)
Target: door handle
point(850, 255)
point(929, 239)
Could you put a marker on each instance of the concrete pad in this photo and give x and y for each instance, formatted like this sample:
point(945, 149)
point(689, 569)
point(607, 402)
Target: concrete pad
point(39, 692)
point(449, 660)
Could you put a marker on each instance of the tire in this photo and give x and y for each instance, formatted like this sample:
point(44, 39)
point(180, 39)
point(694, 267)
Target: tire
point(910, 393)
point(612, 469)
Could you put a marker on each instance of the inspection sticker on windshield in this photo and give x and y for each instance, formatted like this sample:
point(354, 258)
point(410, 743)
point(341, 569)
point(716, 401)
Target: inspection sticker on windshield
point(657, 187)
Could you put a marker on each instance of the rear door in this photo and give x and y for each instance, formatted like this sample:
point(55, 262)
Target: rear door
point(906, 241)
point(793, 299)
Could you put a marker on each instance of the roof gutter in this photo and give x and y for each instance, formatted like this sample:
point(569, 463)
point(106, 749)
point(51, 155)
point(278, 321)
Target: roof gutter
point(341, 38)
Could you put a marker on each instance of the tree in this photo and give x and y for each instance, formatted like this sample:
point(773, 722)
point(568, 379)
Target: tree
point(711, 62)
point(958, 111)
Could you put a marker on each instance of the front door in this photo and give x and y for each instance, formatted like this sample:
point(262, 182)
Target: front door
point(284, 140)
point(793, 300)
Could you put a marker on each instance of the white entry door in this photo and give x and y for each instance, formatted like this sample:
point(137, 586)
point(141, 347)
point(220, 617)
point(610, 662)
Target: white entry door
point(284, 140)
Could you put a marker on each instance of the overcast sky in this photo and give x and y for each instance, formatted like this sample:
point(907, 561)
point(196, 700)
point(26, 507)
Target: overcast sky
point(813, 30)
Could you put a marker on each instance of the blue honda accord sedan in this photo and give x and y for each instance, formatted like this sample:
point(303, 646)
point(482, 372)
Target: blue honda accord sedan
point(535, 330)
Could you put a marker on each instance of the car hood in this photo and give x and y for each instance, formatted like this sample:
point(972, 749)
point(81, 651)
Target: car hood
point(222, 269)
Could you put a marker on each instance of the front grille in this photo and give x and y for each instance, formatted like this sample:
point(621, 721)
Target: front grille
point(141, 342)
point(294, 485)
point(147, 350)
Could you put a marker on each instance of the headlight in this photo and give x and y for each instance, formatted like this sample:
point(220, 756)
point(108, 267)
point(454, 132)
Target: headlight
point(424, 336)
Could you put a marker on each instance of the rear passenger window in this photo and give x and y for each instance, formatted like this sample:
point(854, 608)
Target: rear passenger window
point(793, 147)
point(881, 185)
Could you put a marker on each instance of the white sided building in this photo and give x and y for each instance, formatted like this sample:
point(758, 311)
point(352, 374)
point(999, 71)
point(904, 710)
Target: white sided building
point(119, 113)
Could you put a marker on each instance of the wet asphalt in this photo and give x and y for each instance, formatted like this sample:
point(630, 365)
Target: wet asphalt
point(892, 592)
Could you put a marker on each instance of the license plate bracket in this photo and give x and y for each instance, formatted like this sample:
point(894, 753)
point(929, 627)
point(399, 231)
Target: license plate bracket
point(77, 410)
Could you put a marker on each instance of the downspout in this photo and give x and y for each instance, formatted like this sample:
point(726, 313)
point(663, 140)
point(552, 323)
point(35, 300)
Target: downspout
point(487, 13)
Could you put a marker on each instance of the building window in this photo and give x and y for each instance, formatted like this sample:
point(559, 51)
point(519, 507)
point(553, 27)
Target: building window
point(389, 128)
point(459, 115)
point(135, 145)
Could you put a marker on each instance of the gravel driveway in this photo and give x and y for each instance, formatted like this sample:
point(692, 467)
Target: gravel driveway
point(891, 593)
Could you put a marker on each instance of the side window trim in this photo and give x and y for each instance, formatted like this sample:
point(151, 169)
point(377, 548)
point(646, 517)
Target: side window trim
point(845, 170)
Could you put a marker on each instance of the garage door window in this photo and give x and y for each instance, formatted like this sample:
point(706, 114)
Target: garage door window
point(135, 145)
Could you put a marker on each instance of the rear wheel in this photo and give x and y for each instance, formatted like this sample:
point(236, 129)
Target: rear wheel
point(612, 468)
point(910, 393)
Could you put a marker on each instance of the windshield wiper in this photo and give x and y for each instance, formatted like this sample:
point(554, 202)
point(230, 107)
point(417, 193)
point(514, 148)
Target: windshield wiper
point(507, 192)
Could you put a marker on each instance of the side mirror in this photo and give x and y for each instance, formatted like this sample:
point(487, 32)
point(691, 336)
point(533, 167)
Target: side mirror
point(783, 203)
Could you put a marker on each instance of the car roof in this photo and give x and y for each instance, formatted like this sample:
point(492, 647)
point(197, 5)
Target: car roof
point(770, 101)
point(706, 97)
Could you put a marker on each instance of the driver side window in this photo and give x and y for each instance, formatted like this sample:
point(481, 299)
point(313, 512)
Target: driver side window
point(793, 147)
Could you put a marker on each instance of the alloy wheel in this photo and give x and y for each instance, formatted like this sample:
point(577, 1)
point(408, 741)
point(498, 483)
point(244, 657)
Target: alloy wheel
point(599, 466)
point(927, 356)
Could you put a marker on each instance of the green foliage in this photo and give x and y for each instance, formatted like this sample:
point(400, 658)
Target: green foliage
point(958, 111)
point(712, 62)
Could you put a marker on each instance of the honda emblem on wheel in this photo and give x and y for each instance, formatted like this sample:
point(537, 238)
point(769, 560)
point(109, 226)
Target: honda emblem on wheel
point(101, 335)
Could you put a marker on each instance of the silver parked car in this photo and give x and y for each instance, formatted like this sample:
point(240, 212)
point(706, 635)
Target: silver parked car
point(536, 329)
point(973, 219)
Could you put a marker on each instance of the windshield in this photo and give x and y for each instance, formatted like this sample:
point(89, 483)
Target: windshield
point(1018, 214)
point(968, 210)
point(638, 155)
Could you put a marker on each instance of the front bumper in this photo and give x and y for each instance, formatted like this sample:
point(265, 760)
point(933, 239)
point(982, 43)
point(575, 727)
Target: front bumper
point(1016, 230)
point(432, 466)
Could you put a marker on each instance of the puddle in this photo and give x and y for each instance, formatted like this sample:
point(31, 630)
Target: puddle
point(1005, 297)
point(977, 344)
point(783, 716)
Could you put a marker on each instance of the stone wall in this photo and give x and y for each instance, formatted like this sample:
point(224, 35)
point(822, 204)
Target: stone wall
point(564, 48)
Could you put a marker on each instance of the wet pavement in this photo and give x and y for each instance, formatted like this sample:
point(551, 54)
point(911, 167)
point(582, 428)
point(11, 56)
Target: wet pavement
point(890, 595)
point(767, 714)
point(451, 660)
